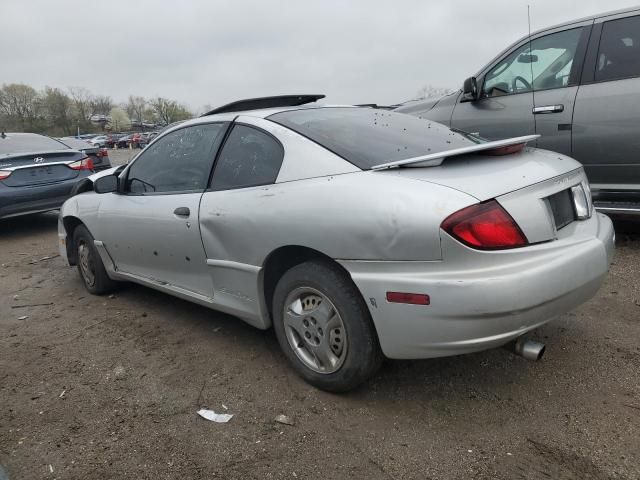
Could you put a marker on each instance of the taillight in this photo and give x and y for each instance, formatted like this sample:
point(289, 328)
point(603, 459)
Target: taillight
point(103, 152)
point(4, 174)
point(84, 164)
point(485, 226)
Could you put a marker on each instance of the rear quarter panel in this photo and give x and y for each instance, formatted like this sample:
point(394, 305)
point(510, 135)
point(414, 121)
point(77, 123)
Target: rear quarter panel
point(364, 216)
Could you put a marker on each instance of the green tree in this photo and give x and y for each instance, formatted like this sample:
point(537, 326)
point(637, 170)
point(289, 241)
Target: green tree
point(57, 106)
point(19, 106)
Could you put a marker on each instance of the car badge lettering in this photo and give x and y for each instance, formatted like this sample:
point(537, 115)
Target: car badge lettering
point(38, 160)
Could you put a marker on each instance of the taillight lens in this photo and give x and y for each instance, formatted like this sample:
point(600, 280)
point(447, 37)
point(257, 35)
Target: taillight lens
point(84, 164)
point(485, 226)
point(103, 152)
point(4, 174)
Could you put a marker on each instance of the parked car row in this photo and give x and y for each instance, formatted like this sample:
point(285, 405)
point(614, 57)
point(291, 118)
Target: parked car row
point(123, 140)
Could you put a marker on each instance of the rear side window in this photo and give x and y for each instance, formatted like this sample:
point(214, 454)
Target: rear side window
point(619, 52)
point(179, 161)
point(367, 137)
point(249, 158)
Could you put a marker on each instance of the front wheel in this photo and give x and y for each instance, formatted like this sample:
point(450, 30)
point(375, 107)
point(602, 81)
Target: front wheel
point(90, 266)
point(324, 327)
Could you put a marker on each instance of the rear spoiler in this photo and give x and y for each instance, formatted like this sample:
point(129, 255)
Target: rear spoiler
point(499, 147)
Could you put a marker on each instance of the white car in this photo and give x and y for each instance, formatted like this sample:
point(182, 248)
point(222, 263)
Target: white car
point(356, 233)
point(99, 141)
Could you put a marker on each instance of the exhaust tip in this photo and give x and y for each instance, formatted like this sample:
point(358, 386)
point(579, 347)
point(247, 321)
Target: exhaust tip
point(527, 349)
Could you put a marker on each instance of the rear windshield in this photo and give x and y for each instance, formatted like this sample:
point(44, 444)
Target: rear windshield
point(27, 143)
point(368, 136)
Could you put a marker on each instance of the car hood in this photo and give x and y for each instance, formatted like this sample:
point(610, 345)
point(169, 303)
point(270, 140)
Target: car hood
point(485, 177)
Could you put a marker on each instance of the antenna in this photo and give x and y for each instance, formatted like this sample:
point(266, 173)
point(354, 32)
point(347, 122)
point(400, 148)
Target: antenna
point(533, 90)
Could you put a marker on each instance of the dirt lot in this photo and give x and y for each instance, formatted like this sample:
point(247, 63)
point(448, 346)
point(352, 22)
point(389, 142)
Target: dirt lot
point(108, 387)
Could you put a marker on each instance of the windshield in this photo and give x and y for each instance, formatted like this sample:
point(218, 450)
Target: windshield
point(367, 136)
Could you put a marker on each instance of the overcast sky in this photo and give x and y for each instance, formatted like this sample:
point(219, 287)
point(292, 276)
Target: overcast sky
point(212, 52)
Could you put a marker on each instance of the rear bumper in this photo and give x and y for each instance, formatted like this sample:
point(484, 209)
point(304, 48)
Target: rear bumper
point(481, 300)
point(33, 199)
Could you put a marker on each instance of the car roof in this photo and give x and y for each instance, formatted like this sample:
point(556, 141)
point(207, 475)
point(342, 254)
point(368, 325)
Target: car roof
point(568, 23)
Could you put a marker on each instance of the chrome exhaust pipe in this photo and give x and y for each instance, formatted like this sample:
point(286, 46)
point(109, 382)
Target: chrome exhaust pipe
point(527, 349)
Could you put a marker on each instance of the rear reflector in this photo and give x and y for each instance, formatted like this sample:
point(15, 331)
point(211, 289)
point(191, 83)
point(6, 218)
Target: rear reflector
point(84, 164)
point(411, 298)
point(4, 174)
point(485, 226)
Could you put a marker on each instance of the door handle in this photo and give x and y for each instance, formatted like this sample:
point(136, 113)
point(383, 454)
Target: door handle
point(182, 211)
point(548, 109)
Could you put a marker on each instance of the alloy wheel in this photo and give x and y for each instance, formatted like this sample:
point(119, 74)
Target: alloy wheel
point(315, 330)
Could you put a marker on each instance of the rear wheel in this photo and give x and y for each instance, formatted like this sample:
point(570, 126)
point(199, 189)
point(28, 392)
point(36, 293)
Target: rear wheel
point(90, 266)
point(324, 327)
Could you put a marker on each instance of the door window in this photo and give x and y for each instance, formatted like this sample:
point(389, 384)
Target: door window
point(249, 158)
point(542, 64)
point(619, 52)
point(179, 161)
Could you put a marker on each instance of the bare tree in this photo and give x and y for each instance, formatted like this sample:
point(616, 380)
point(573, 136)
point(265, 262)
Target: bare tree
point(81, 98)
point(169, 111)
point(136, 107)
point(101, 105)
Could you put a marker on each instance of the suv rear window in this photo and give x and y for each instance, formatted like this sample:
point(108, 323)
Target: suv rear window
point(367, 136)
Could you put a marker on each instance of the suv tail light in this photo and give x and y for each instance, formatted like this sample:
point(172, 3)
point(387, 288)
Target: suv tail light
point(4, 174)
point(485, 226)
point(84, 164)
point(103, 152)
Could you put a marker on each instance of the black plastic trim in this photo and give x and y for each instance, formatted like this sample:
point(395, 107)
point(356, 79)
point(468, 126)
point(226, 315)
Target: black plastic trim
point(265, 102)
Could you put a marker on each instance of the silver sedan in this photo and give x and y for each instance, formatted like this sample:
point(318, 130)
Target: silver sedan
point(357, 233)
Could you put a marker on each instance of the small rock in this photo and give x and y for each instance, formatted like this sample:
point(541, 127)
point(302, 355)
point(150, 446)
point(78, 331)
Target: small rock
point(112, 296)
point(23, 317)
point(119, 372)
point(284, 420)
point(15, 297)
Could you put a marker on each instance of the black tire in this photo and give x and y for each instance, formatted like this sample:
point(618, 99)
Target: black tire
point(100, 283)
point(363, 355)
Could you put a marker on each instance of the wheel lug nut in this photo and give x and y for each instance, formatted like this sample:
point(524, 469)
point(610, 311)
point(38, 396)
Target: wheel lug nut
point(320, 331)
point(305, 322)
point(307, 334)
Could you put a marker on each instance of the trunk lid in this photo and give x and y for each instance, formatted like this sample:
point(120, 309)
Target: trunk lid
point(530, 186)
point(37, 168)
point(486, 177)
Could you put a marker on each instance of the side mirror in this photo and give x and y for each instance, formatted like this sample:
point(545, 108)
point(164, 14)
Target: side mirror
point(106, 184)
point(470, 90)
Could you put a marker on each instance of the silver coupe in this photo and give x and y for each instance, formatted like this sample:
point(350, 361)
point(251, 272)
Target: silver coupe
point(356, 232)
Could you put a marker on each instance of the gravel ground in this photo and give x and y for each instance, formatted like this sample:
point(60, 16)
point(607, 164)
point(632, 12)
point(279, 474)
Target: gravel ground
point(108, 387)
point(122, 155)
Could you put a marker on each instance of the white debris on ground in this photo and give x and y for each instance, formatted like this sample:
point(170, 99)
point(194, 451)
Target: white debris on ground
point(215, 417)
